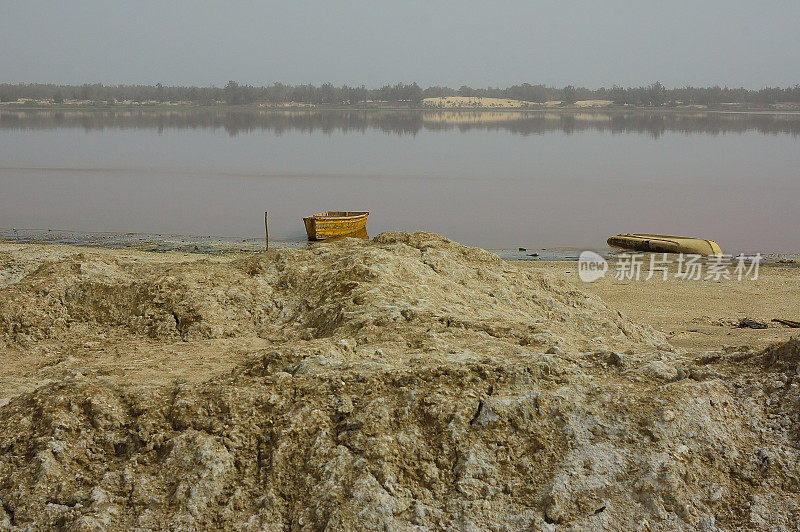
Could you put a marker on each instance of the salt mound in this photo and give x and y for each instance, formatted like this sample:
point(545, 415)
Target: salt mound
point(398, 284)
point(307, 437)
point(411, 383)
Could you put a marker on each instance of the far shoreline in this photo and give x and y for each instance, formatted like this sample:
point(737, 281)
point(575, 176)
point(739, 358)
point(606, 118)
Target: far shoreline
point(102, 106)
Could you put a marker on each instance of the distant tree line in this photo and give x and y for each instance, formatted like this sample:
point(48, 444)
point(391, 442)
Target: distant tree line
point(233, 93)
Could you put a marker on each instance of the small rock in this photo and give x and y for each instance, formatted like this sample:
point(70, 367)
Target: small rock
point(658, 370)
point(707, 524)
point(485, 416)
point(5, 520)
point(704, 375)
point(555, 350)
point(747, 323)
point(344, 405)
point(86, 523)
point(345, 344)
point(615, 359)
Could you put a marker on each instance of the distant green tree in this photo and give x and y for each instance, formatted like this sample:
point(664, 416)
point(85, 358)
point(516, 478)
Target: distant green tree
point(327, 93)
point(618, 95)
point(569, 95)
point(464, 90)
point(656, 94)
point(414, 93)
point(160, 93)
point(526, 92)
point(232, 93)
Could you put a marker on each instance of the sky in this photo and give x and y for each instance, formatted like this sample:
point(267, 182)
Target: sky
point(434, 42)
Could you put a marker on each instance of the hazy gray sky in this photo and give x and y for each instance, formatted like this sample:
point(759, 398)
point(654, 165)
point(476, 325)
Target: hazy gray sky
point(591, 43)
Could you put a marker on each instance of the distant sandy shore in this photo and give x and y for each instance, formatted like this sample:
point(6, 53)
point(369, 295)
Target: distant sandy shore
point(469, 102)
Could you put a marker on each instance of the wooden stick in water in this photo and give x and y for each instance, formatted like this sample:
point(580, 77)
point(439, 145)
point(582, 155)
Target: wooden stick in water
point(266, 230)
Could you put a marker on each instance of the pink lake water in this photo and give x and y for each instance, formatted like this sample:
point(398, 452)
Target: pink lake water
point(533, 181)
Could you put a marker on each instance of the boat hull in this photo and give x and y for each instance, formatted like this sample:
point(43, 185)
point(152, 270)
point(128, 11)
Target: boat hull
point(665, 244)
point(325, 226)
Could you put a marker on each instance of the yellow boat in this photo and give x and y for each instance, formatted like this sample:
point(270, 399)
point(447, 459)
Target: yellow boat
point(331, 224)
point(665, 244)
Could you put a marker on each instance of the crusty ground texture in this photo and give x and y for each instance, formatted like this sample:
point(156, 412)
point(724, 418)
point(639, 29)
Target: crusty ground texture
point(701, 314)
point(406, 383)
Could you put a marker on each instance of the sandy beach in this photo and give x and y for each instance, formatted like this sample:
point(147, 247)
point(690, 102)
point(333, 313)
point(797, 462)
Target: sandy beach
point(407, 379)
point(700, 315)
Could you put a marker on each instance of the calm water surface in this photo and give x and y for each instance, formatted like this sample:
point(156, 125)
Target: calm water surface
point(498, 180)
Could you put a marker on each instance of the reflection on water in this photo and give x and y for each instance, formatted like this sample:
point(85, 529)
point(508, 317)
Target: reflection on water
point(494, 179)
point(652, 123)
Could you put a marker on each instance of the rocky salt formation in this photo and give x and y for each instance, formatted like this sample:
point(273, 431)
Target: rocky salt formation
point(411, 383)
point(398, 282)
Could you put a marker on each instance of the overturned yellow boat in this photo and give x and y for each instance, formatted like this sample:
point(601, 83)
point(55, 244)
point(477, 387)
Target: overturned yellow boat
point(665, 244)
